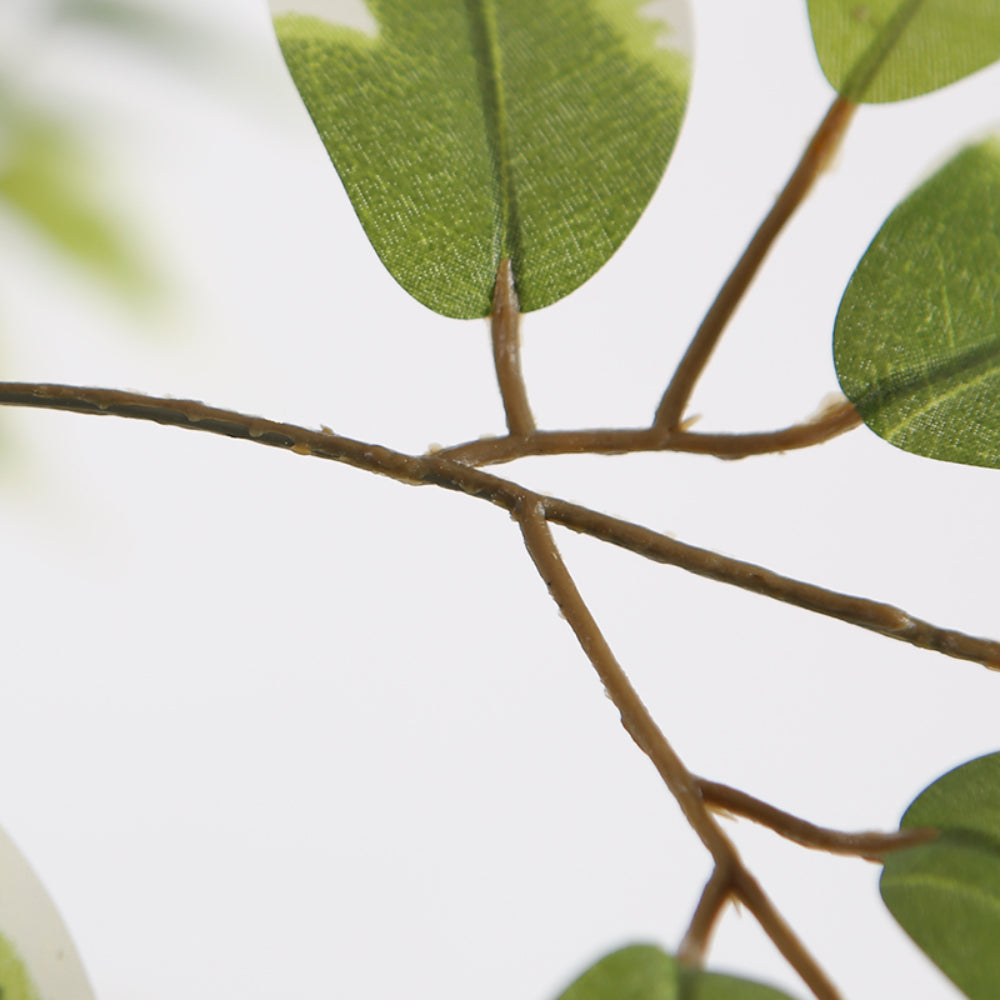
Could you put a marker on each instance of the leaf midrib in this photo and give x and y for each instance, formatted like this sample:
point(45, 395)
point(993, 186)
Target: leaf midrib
point(866, 68)
point(486, 46)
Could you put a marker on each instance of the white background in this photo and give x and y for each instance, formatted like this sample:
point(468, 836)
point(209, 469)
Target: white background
point(276, 727)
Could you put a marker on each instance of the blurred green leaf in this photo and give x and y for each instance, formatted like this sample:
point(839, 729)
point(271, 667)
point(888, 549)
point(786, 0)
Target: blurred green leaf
point(917, 336)
point(946, 893)
point(644, 972)
point(46, 178)
point(15, 983)
point(888, 50)
point(466, 131)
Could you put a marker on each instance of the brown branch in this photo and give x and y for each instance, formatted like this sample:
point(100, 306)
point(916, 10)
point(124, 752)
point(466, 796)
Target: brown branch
point(639, 724)
point(870, 846)
point(505, 321)
point(438, 471)
point(815, 158)
point(830, 423)
point(714, 897)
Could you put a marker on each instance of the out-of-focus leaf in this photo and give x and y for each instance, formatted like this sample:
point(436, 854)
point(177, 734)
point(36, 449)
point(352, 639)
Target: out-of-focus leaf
point(644, 972)
point(946, 893)
point(888, 50)
point(38, 960)
point(466, 131)
point(917, 337)
point(45, 178)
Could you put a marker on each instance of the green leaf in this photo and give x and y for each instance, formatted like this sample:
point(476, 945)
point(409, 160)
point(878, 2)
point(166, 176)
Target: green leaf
point(37, 956)
point(946, 893)
point(888, 50)
point(917, 336)
point(15, 983)
point(644, 972)
point(466, 131)
point(45, 178)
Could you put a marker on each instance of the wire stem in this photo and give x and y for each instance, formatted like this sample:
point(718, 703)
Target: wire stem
point(815, 158)
point(434, 470)
point(831, 422)
point(639, 724)
point(716, 894)
point(870, 846)
point(505, 322)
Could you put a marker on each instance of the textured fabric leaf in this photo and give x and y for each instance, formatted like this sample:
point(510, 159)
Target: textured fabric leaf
point(917, 337)
point(644, 972)
point(38, 960)
point(888, 50)
point(466, 131)
point(946, 893)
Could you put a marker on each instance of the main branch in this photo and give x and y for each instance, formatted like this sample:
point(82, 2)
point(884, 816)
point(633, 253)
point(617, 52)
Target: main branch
point(435, 470)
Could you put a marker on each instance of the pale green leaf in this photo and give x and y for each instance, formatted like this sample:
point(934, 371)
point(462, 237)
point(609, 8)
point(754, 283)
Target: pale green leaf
point(644, 972)
point(917, 337)
point(466, 131)
point(38, 960)
point(888, 50)
point(946, 893)
point(47, 180)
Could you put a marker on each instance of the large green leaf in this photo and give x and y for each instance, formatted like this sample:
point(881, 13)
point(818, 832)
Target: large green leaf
point(888, 50)
point(466, 131)
point(644, 972)
point(917, 337)
point(38, 960)
point(946, 893)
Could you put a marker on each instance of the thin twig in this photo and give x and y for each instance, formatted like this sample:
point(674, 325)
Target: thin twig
point(717, 892)
point(748, 890)
point(505, 322)
point(830, 423)
point(644, 731)
point(437, 471)
point(815, 158)
point(870, 846)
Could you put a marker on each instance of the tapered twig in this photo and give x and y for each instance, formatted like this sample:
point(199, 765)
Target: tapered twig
point(815, 158)
point(717, 892)
point(640, 726)
point(505, 323)
point(432, 469)
point(870, 846)
point(830, 423)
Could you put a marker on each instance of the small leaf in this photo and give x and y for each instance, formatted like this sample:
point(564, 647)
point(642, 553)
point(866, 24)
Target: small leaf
point(888, 50)
point(917, 336)
point(644, 972)
point(946, 893)
point(37, 957)
point(466, 131)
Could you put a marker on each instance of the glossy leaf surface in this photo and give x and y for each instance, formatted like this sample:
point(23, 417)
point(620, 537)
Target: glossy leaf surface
point(888, 50)
point(946, 893)
point(644, 972)
point(466, 131)
point(38, 960)
point(917, 337)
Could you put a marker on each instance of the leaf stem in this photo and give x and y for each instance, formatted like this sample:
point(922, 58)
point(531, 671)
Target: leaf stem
point(830, 423)
point(505, 322)
point(714, 897)
point(730, 875)
point(815, 158)
point(435, 470)
point(869, 846)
